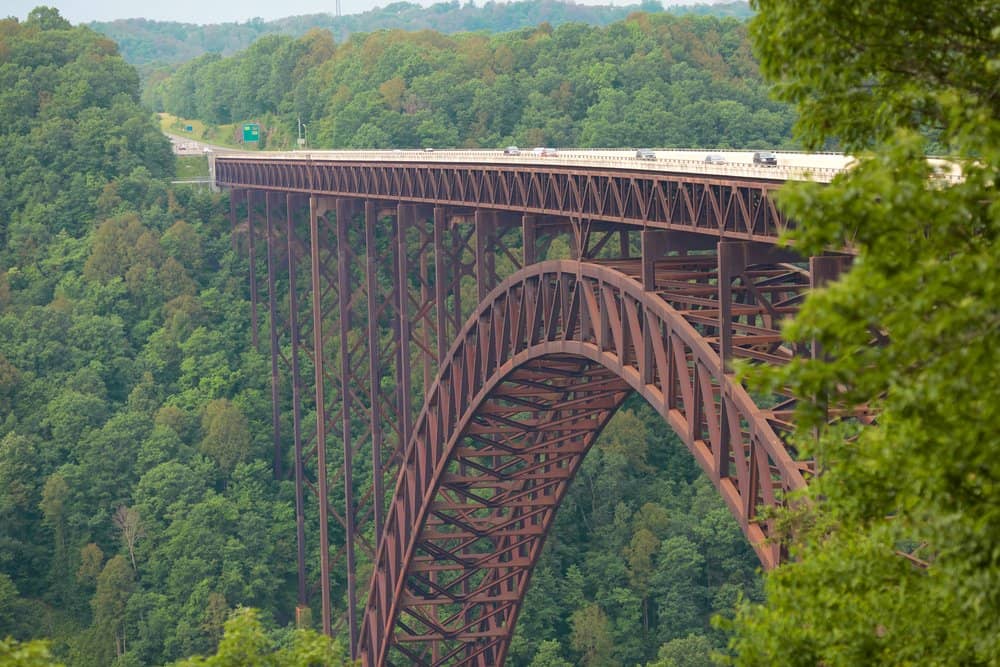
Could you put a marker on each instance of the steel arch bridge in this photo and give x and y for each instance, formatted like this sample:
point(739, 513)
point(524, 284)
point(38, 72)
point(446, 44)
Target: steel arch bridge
point(463, 376)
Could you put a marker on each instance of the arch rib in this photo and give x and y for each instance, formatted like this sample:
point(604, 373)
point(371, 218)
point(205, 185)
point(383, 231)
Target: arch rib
point(527, 386)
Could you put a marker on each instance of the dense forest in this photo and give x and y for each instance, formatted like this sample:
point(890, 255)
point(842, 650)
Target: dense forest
point(652, 80)
point(137, 506)
point(147, 43)
point(135, 510)
point(139, 519)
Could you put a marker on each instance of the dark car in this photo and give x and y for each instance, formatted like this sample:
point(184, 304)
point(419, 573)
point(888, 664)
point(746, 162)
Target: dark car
point(512, 150)
point(645, 154)
point(715, 158)
point(765, 159)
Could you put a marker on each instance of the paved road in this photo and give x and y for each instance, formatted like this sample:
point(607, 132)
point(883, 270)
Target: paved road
point(791, 166)
point(187, 146)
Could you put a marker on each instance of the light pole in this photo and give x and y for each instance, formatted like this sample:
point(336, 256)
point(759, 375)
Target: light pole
point(303, 133)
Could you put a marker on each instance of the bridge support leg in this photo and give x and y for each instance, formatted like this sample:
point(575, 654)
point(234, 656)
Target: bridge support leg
point(441, 282)
point(345, 213)
point(486, 223)
point(404, 220)
point(251, 235)
point(823, 270)
point(320, 376)
point(272, 310)
point(654, 247)
point(374, 367)
point(234, 197)
point(529, 224)
point(293, 332)
point(732, 259)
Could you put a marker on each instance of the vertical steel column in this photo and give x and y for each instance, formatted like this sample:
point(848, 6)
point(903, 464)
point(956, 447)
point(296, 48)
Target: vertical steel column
point(624, 244)
point(272, 309)
point(485, 230)
point(344, 213)
point(822, 270)
point(440, 282)
point(293, 329)
point(321, 491)
point(422, 320)
point(404, 220)
point(458, 271)
point(529, 234)
point(732, 259)
point(374, 369)
point(233, 197)
point(654, 247)
point(254, 336)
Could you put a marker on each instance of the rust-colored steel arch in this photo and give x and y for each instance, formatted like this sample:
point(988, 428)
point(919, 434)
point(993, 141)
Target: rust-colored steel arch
point(527, 386)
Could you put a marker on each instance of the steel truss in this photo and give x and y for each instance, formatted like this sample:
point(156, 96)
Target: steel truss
point(518, 363)
point(528, 385)
point(736, 208)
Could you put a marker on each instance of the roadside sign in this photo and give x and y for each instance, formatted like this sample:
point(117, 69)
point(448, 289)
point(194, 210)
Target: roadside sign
point(251, 132)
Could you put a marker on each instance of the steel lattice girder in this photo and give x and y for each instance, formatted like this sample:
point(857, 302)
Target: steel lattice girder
point(495, 426)
point(737, 208)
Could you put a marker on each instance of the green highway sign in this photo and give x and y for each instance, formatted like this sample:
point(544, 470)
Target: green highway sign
point(251, 132)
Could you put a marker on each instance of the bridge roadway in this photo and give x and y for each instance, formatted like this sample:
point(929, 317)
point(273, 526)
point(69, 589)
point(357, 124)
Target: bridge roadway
point(472, 369)
point(791, 165)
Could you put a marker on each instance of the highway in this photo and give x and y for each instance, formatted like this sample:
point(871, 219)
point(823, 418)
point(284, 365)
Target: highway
point(792, 166)
point(821, 167)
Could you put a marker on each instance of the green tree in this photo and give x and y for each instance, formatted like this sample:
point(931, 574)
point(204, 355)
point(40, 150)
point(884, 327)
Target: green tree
point(53, 505)
point(26, 654)
point(47, 18)
point(549, 654)
point(896, 559)
point(227, 434)
point(591, 635)
point(8, 604)
point(690, 651)
point(115, 585)
point(247, 642)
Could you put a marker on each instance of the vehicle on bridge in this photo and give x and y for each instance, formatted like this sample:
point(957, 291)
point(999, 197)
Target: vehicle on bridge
point(645, 154)
point(512, 150)
point(544, 151)
point(765, 159)
point(715, 158)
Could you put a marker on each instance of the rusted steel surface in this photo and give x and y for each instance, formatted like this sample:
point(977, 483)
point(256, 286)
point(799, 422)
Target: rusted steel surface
point(527, 386)
point(737, 208)
point(420, 326)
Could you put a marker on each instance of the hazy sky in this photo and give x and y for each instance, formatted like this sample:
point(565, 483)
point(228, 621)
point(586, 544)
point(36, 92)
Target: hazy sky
point(224, 11)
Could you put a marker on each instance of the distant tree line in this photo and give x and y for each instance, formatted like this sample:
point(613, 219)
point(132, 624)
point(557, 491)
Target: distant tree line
point(146, 43)
point(652, 80)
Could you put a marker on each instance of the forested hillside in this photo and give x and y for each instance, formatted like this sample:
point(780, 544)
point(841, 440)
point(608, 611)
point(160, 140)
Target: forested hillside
point(137, 505)
point(134, 508)
point(145, 43)
point(652, 80)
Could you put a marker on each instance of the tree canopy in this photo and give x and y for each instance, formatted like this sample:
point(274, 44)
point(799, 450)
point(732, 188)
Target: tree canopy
point(896, 558)
point(146, 43)
point(651, 80)
point(137, 505)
